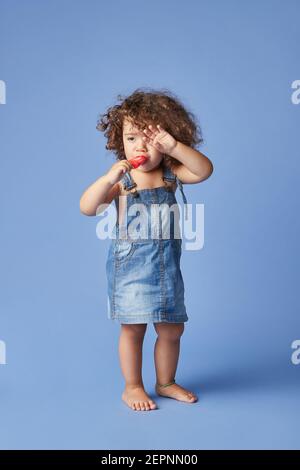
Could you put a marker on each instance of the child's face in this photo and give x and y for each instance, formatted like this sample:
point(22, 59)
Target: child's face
point(134, 145)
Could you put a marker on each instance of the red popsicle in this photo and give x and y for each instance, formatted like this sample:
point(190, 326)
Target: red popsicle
point(137, 161)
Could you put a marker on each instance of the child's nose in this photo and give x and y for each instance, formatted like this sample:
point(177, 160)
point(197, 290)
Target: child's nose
point(141, 147)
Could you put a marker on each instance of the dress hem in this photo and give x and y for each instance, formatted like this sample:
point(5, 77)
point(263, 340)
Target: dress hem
point(150, 319)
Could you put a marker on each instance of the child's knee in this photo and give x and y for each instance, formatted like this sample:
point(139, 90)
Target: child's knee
point(134, 330)
point(169, 331)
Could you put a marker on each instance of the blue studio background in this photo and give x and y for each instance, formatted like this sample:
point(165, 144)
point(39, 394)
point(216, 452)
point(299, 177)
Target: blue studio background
point(232, 64)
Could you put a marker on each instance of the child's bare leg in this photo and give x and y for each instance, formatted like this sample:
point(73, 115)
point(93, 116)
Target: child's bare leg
point(130, 351)
point(166, 354)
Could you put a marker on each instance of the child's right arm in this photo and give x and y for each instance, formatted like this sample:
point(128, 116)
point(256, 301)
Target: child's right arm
point(104, 189)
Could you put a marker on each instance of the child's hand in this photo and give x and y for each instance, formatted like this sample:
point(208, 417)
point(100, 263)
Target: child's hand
point(160, 139)
point(117, 171)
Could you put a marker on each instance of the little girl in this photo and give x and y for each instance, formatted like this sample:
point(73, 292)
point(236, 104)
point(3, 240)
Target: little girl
point(144, 278)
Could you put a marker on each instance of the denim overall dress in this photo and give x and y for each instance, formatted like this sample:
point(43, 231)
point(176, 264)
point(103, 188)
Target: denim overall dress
point(144, 278)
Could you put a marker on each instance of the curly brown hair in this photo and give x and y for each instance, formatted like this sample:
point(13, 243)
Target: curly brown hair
point(144, 107)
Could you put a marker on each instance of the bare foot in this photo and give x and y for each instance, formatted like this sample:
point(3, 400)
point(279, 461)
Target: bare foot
point(137, 399)
point(177, 392)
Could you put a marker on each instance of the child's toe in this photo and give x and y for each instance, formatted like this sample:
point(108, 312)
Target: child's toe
point(192, 397)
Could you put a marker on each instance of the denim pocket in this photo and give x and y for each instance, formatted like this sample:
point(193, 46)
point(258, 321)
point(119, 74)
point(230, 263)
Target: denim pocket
point(124, 250)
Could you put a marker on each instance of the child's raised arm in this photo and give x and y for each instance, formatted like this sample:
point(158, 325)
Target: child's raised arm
point(104, 189)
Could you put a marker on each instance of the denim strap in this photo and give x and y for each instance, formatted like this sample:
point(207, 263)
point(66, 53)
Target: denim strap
point(128, 182)
point(170, 177)
point(183, 197)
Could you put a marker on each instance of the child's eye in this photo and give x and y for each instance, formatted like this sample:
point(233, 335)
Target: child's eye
point(130, 138)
